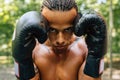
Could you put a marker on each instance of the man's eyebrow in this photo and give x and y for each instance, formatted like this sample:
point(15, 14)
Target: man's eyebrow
point(69, 27)
point(50, 27)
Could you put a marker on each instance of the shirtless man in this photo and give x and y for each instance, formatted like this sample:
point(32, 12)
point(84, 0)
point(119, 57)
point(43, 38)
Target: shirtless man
point(52, 41)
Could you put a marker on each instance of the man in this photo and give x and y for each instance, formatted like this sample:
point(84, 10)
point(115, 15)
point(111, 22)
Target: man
point(53, 42)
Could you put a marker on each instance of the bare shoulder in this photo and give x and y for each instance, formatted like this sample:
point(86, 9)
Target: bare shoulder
point(79, 48)
point(81, 42)
point(40, 51)
point(82, 45)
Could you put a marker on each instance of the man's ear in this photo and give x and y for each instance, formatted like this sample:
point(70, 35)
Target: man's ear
point(78, 16)
point(44, 22)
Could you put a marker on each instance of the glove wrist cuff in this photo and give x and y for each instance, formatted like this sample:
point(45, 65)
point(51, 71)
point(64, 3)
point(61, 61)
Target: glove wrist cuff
point(24, 72)
point(94, 67)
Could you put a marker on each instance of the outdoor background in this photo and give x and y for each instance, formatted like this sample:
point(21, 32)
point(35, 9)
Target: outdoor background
point(11, 10)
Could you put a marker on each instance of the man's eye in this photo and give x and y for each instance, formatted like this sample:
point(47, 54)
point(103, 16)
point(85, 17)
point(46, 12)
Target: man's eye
point(52, 30)
point(68, 29)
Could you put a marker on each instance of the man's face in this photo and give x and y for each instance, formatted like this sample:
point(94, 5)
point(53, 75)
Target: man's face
point(60, 31)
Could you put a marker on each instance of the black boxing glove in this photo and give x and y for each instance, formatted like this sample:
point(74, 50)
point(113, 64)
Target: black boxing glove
point(93, 27)
point(28, 29)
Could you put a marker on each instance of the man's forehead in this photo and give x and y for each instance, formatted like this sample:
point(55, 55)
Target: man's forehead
point(59, 17)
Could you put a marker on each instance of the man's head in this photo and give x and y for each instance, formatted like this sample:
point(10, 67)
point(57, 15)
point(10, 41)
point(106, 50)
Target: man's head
point(60, 15)
point(59, 5)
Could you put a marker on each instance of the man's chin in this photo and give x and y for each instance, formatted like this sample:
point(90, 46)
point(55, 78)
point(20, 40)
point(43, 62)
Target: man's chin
point(60, 50)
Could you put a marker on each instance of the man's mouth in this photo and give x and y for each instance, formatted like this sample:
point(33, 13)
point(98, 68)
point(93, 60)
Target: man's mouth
point(60, 47)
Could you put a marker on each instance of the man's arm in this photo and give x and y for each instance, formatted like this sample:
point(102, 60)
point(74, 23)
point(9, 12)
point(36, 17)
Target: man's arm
point(82, 76)
point(27, 29)
point(93, 26)
point(36, 77)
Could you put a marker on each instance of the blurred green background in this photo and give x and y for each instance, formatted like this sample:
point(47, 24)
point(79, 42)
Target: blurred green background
point(11, 10)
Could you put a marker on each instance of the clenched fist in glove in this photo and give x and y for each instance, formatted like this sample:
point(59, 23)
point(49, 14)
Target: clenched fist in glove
point(28, 29)
point(93, 27)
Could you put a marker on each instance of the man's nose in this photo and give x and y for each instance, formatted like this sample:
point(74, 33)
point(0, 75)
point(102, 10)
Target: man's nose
point(60, 39)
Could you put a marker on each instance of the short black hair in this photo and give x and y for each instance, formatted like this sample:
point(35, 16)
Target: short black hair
point(60, 5)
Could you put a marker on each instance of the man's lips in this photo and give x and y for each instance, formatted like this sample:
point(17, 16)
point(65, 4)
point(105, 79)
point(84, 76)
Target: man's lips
point(60, 47)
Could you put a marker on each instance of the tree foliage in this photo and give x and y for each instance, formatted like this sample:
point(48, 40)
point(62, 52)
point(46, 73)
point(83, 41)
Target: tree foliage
point(103, 6)
point(11, 10)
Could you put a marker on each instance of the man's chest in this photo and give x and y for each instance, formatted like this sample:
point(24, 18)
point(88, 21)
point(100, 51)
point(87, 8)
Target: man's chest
point(62, 70)
point(53, 68)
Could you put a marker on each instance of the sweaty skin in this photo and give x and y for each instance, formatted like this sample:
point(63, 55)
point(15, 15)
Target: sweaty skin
point(62, 56)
